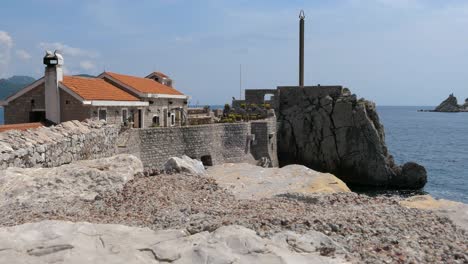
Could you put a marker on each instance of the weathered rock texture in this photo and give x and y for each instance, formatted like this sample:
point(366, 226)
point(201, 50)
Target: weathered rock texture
point(373, 230)
point(328, 129)
point(449, 105)
point(83, 180)
point(57, 145)
point(67, 242)
point(247, 181)
point(184, 164)
point(457, 212)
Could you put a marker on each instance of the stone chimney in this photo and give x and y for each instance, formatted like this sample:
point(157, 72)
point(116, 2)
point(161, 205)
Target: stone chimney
point(53, 75)
point(160, 78)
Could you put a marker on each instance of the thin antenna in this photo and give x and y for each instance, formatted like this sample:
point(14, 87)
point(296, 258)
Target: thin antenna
point(240, 82)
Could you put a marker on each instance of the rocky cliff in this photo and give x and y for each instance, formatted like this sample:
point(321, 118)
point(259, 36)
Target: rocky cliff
point(328, 129)
point(449, 105)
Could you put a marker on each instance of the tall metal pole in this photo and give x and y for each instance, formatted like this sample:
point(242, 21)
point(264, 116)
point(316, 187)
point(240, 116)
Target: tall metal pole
point(301, 48)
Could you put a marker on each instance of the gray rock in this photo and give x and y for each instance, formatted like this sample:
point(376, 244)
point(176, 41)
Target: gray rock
point(334, 132)
point(184, 164)
point(83, 180)
point(413, 176)
point(67, 242)
point(449, 105)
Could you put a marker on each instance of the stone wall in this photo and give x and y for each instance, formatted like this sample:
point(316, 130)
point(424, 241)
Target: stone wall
point(57, 145)
point(72, 109)
point(217, 142)
point(18, 110)
point(257, 96)
point(213, 143)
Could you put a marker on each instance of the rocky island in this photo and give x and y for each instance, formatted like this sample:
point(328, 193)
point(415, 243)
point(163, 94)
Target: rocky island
point(450, 105)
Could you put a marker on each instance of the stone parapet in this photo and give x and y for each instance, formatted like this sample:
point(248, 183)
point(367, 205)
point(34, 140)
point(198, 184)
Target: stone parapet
point(57, 145)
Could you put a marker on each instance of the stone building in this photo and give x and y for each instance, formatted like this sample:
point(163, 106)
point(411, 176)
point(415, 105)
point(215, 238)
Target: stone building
point(116, 98)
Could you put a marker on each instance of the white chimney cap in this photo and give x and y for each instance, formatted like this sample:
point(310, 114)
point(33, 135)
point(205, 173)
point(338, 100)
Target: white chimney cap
point(59, 57)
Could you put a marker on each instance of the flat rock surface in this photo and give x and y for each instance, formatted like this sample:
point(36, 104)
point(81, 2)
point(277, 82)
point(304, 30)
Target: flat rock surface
point(457, 212)
point(370, 229)
point(84, 180)
point(67, 242)
point(248, 181)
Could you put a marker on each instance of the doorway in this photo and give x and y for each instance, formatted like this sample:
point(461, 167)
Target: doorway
point(206, 160)
point(37, 116)
point(140, 119)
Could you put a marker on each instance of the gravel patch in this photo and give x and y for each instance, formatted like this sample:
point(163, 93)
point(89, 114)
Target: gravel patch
point(371, 229)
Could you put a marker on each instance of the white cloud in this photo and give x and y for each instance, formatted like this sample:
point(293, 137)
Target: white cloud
point(87, 65)
point(5, 39)
point(68, 50)
point(22, 54)
point(6, 43)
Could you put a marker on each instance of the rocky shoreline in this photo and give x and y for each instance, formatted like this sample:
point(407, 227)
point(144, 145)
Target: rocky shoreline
point(363, 229)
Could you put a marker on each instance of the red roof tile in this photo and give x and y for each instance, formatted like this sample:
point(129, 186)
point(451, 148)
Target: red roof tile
point(96, 89)
point(22, 126)
point(144, 85)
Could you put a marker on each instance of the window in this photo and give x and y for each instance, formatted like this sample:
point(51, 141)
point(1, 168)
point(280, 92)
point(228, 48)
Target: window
point(156, 121)
point(124, 115)
point(172, 119)
point(268, 97)
point(102, 114)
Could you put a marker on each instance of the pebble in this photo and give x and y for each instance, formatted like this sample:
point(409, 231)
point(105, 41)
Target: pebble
point(371, 229)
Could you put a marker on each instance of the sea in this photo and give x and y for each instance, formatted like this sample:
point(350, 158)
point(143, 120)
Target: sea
point(438, 141)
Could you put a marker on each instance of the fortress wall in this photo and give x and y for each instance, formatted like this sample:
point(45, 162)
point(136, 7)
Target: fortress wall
point(57, 145)
point(220, 142)
point(73, 140)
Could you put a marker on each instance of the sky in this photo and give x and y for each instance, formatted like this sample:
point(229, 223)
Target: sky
point(393, 52)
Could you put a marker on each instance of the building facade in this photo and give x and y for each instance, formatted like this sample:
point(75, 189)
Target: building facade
point(117, 98)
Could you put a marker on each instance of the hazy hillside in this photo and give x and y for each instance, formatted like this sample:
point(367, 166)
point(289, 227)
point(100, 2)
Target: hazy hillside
point(13, 84)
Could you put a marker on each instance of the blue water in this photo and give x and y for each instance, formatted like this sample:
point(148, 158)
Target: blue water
point(438, 141)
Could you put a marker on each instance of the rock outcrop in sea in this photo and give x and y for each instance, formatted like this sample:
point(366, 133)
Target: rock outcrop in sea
point(449, 105)
point(337, 133)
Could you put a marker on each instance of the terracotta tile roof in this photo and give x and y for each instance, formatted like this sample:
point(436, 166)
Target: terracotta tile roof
point(96, 89)
point(22, 126)
point(144, 85)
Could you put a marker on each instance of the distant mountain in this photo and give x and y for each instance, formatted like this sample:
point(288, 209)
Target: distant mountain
point(13, 84)
point(85, 75)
